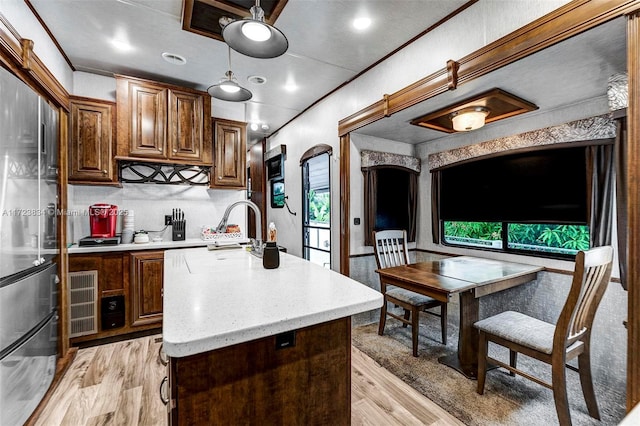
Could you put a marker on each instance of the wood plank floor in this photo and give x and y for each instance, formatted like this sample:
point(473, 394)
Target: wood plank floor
point(118, 384)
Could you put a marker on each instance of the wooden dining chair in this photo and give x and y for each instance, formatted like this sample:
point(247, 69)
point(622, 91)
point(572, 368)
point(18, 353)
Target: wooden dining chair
point(390, 249)
point(554, 344)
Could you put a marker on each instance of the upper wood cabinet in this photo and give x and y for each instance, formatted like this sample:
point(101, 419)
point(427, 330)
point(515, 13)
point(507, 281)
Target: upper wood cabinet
point(162, 123)
point(230, 154)
point(91, 143)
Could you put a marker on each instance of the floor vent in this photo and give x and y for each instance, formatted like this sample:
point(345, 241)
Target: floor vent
point(83, 299)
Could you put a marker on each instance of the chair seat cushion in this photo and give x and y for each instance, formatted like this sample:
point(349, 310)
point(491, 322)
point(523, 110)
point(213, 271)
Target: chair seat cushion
point(520, 328)
point(410, 297)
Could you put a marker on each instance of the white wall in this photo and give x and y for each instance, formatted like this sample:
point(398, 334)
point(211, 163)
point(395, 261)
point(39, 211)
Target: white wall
point(479, 25)
point(151, 202)
point(22, 19)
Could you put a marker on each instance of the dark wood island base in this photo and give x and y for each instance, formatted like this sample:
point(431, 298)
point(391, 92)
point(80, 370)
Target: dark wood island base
point(294, 378)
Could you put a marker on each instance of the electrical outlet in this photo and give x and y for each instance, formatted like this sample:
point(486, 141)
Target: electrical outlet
point(167, 219)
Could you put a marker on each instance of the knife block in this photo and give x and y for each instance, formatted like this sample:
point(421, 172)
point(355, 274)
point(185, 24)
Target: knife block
point(178, 232)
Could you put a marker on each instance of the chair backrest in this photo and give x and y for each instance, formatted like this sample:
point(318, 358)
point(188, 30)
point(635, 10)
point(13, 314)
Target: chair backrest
point(590, 279)
point(390, 248)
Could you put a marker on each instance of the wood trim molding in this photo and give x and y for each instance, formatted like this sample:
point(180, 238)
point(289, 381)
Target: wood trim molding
point(633, 216)
point(561, 24)
point(17, 55)
point(63, 264)
point(452, 74)
point(345, 203)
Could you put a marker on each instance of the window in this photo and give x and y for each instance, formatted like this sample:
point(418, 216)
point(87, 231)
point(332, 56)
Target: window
point(533, 202)
point(540, 239)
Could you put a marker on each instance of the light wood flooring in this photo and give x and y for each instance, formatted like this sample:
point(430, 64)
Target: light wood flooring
point(118, 384)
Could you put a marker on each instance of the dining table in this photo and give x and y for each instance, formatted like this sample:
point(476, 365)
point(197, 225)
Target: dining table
point(469, 277)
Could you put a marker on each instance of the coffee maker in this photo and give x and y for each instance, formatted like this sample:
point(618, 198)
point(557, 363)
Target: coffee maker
point(102, 224)
point(102, 220)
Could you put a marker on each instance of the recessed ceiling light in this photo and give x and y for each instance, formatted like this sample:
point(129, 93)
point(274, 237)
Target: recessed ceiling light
point(257, 79)
point(265, 127)
point(361, 23)
point(254, 126)
point(290, 87)
point(174, 59)
point(121, 45)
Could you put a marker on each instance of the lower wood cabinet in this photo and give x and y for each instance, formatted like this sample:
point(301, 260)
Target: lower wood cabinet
point(136, 278)
point(301, 377)
point(146, 287)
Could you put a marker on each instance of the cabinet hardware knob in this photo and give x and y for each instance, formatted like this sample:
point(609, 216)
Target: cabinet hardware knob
point(175, 150)
point(104, 172)
point(160, 149)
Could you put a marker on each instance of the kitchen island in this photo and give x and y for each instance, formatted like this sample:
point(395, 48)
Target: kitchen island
point(249, 345)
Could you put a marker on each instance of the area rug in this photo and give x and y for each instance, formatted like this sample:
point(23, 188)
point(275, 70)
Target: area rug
point(506, 401)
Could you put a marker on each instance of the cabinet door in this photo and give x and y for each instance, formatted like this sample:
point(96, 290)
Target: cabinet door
point(185, 125)
point(148, 116)
point(146, 287)
point(230, 154)
point(90, 147)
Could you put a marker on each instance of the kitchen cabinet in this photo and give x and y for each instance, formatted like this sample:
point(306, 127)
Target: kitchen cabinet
point(159, 122)
point(146, 287)
point(135, 276)
point(91, 146)
point(230, 154)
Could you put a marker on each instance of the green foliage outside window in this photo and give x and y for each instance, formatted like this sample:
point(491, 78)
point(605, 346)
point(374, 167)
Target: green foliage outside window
point(319, 206)
point(563, 239)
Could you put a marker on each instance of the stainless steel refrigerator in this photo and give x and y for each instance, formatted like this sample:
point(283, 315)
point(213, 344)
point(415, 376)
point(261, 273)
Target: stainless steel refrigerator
point(28, 248)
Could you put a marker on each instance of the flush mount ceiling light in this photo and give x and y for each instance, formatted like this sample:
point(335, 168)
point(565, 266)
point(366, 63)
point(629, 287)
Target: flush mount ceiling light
point(254, 37)
point(467, 119)
point(228, 88)
point(468, 114)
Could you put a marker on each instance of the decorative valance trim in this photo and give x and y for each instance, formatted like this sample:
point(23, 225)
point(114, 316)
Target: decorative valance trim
point(378, 158)
point(600, 127)
point(618, 91)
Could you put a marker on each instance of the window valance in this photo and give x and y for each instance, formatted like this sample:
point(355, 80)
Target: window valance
point(600, 127)
point(377, 158)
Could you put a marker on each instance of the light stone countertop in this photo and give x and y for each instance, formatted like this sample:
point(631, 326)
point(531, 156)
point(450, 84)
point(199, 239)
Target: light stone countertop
point(219, 298)
point(161, 245)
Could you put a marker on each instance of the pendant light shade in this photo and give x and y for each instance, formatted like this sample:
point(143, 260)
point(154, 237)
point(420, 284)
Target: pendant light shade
point(469, 118)
point(228, 88)
point(254, 37)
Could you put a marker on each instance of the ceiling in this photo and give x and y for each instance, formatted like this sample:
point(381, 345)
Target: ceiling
point(568, 73)
point(325, 50)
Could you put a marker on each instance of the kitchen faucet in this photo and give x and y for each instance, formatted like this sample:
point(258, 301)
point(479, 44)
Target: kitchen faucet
point(256, 244)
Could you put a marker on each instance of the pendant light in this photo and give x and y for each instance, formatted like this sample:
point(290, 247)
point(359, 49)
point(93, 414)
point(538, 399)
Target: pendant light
point(254, 37)
point(228, 88)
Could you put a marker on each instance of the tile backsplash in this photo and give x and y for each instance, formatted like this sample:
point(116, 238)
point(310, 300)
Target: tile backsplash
point(150, 203)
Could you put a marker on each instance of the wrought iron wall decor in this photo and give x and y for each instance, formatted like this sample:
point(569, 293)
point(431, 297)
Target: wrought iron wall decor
point(164, 174)
point(21, 166)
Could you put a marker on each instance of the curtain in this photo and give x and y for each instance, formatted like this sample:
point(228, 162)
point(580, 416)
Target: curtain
point(371, 179)
point(621, 197)
point(370, 201)
point(413, 206)
point(600, 175)
point(435, 207)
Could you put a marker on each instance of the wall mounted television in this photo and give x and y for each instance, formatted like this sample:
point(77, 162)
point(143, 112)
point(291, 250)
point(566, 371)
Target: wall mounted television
point(275, 167)
point(277, 193)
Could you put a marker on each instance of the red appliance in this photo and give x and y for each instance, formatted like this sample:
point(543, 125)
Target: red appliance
point(102, 220)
